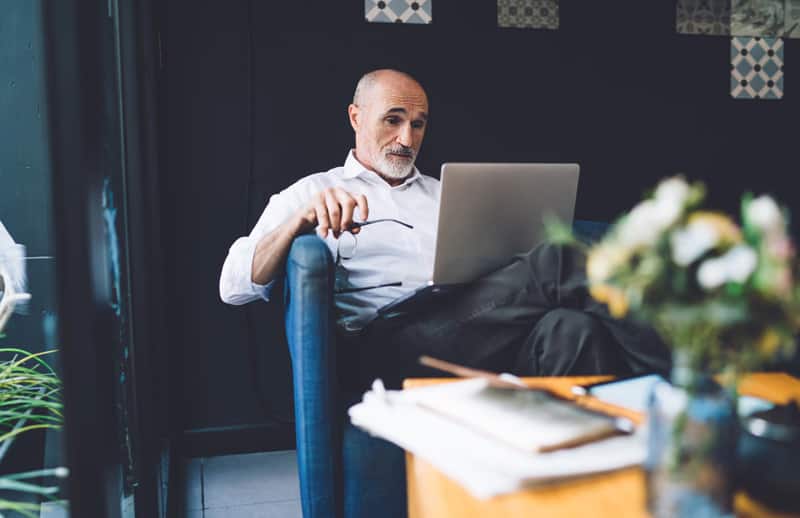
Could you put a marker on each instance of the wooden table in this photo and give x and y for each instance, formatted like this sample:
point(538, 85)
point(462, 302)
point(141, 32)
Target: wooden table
point(618, 494)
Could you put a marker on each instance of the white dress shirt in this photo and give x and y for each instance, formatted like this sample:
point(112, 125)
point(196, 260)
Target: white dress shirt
point(386, 252)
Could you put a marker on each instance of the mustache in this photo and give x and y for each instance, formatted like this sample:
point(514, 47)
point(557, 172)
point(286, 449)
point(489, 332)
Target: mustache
point(401, 150)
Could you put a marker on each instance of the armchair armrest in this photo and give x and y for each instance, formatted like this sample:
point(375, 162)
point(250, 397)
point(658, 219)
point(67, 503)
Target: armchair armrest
point(308, 299)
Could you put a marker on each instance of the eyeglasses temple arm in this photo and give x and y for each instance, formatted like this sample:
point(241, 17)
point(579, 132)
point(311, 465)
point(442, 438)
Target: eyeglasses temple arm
point(365, 223)
point(365, 288)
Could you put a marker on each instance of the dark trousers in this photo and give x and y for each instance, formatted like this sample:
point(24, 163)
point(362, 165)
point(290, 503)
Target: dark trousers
point(533, 317)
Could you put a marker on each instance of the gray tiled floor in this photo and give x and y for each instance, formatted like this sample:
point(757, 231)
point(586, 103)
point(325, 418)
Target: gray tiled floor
point(262, 485)
point(54, 510)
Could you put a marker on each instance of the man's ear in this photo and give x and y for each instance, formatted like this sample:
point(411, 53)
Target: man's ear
point(353, 113)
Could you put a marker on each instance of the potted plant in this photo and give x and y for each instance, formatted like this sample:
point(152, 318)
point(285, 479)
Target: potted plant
point(30, 399)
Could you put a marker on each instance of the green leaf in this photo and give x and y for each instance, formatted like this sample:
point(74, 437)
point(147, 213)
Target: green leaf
point(558, 232)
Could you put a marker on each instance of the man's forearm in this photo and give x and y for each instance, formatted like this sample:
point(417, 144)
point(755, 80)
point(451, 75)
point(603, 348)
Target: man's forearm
point(272, 249)
point(329, 210)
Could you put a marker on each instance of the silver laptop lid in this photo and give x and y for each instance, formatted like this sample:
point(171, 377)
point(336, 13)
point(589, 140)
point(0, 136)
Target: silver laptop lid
point(490, 212)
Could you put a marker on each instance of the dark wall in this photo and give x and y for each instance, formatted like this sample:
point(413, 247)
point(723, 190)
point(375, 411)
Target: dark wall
point(206, 163)
point(256, 96)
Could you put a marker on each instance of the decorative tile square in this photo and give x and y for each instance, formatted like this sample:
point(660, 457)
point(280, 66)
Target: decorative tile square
point(711, 17)
point(757, 17)
point(756, 68)
point(398, 11)
point(791, 25)
point(527, 14)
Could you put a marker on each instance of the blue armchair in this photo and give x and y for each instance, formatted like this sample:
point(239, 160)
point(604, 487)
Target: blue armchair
point(344, 472)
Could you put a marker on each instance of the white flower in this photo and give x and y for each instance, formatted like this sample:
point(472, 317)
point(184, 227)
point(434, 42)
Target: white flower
point(765, 214)
point(741, 262)
point(735, 265)
point(667, 211)
point(603, 260)
point(711, 274)
point(673, 190)
point(689, 243)
point(639, 226)
point(648, 220)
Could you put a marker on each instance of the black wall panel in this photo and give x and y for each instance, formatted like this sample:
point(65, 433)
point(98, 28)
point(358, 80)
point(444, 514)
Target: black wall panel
point(256, 94)
point(206, 149)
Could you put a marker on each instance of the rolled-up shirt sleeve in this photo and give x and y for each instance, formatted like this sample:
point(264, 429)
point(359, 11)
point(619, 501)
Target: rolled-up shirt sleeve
point(236, 284)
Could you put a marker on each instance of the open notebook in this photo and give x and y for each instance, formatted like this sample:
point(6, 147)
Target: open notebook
point(530, 420)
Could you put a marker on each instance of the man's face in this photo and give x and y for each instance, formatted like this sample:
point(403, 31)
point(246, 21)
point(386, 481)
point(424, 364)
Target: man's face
point(390, 125)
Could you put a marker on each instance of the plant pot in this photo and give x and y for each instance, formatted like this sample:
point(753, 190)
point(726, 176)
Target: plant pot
point(691, 461)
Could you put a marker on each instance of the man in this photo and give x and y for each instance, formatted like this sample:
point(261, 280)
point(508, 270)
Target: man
point(532, 317)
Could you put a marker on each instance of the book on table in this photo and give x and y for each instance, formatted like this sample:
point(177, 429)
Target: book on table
point(494, 437)
point(530, 420)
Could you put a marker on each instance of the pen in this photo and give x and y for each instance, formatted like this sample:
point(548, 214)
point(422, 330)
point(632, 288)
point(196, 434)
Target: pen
point(504, 380)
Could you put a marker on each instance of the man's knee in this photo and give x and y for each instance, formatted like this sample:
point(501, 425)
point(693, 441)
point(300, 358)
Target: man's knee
point(571, 342)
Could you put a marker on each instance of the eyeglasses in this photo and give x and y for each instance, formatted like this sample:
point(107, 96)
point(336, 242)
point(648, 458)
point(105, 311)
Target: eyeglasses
point(346, 248)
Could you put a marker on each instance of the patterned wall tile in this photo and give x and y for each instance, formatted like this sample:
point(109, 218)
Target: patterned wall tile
point(758, 17)
point(791, 26)
point(528, 14)
point(398, 11)
point(711, 17)
point(756, 68)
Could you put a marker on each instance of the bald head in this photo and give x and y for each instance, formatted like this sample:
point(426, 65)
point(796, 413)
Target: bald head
point(369, 81)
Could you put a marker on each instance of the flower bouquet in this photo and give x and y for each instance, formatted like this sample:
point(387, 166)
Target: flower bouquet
point(724, 297)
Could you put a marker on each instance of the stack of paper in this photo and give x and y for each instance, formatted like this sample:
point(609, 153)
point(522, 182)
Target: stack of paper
point(492, 452)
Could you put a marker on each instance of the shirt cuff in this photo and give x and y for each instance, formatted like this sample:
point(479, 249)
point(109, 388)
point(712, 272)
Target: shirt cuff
point(262, 290)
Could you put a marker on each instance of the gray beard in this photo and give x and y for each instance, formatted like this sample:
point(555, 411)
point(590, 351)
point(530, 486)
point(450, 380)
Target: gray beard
point(393, 169)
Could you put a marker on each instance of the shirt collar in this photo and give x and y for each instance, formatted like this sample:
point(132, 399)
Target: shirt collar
point(353, 169)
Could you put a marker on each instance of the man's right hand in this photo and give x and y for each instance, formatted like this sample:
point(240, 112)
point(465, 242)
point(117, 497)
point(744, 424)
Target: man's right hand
point(332, 210)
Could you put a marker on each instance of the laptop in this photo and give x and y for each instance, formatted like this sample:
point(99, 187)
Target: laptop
point(487, 214)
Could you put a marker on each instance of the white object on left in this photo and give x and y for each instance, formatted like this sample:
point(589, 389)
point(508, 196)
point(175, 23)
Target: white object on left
point(8, 298)
point(12, 275)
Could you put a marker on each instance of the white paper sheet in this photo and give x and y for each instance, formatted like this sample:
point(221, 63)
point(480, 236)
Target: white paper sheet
point(12, 259)
point(628, 393)
point(484, 466)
